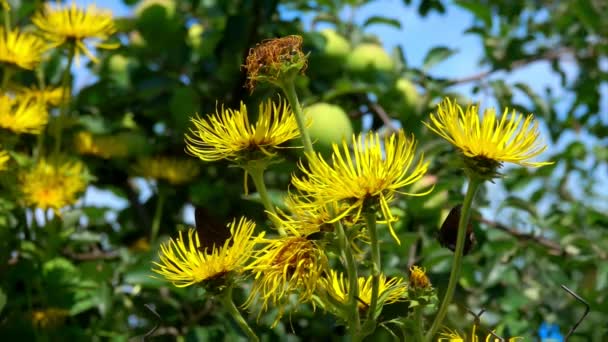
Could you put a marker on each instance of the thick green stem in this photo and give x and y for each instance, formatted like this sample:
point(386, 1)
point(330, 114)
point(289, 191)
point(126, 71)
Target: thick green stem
point(65, 99)
point(370, 324)
point(257, 175)
point(465, 213)
point(418, 324)
point(226, 299)
point(158, 214)
point(290, 91)
point(354, 322)
point(40, 139)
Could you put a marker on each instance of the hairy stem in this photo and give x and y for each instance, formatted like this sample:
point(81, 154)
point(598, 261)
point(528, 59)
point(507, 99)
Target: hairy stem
point(290, 91)
point(226, 299)
point(458, 253)
point(354, 323)
point(65, 99)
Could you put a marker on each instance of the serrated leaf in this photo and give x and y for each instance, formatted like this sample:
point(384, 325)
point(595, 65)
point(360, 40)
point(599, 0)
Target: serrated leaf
point(382, 20)
point(437, 55)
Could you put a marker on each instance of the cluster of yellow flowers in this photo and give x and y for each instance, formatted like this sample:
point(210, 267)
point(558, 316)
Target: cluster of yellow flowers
point(55, 181)
point(332, 201)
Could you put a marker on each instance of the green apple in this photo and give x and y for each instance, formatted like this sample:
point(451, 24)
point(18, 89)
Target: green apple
point(330, 125)
point(167, 5)
point(402, 100)
point(329, 58)
point(366, 60)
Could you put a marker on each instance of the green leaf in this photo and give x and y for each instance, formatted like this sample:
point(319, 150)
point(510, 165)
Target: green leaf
point(437, 55)
point(587, 14)
point(478, 9)
point(382, 20)
point(2, 300)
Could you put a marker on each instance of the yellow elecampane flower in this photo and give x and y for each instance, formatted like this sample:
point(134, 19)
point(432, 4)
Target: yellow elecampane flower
point(287, 265)
point(390, 290)
point(370, 175)
point(22, 116)
point(70, 24)
point(511, 138)
point(4, 158)
point(173, 170)
point(418, 278)
point(101, 146)
point(453, 336)
point(227, 134)
point(50, 95)
point(21, 49)
point(183, 263)
point(53, 184)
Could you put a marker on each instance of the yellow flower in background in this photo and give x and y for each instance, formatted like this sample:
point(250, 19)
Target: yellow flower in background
point(290, 265)
point(21, 49)
point(510, 139)
point(183, 263)
point(227, 134)
point(22, 116)
point(173, 170)
point(4, 158)
point(70, 24)
point(50, 95)
point(54, 183)
point(371, 175)
point(49, 317)
point(453, 336)
point(5, 6)
point(418, 278)
point(101, 146)
point(390, 290)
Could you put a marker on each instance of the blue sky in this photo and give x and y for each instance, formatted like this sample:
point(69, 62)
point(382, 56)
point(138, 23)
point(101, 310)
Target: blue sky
point(417, 36)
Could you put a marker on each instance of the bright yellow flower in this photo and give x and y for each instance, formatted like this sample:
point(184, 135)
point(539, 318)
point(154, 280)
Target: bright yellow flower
point(453, 336)
point(49, 318)
point(371, 175)
point(285, 266)
point(22, 116)
point(49, 95)
point(21, 49)
point(390, 290)
point(102, 146)
point(507, 139)
point(227, 134)
point(183, 263)
point(4, 158)
point(174, 170)
point(70, 24)
point(53, 184)
point(418, 278)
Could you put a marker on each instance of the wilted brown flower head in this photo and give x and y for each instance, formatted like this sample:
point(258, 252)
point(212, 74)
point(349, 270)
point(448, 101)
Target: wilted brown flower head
point(274, 59)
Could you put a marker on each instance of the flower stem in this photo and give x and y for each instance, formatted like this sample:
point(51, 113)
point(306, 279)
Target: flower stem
point(370, 324)
point(158, 213)
point(65, 99)
point(458, 253)
point(289, 89)
point(354, 323)
point(257, 175)
point(418, 324)
point(226, 299)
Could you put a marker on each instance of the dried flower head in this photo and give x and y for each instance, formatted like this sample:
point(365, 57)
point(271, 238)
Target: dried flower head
point(274, 60)
point(418, 278)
